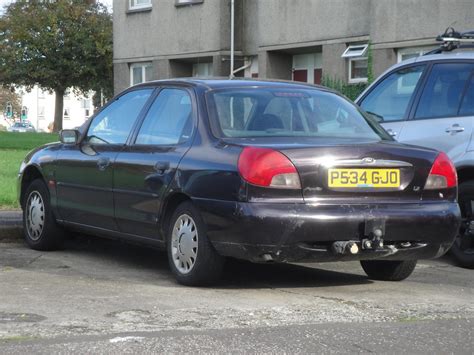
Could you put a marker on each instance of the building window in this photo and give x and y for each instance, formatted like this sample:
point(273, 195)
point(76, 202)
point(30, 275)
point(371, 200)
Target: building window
point(140, 73)
point(86, 103)
point(41, 112)
point(66, 113)
point(357, 62)
point(202, 69)
point(41, 93)
point(188, 2)
point(139, 4)
point(355, 51)
point(412, 52)
point(358, 70)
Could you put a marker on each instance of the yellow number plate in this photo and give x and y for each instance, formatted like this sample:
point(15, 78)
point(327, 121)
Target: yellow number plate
point(374, 178)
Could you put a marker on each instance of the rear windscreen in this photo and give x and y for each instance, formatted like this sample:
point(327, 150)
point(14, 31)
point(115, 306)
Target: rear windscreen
point(266, 112)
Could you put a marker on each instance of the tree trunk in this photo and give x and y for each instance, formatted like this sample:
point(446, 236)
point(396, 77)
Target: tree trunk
point(58, 110)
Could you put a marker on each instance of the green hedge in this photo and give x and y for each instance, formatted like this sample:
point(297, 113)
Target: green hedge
point(349, 90)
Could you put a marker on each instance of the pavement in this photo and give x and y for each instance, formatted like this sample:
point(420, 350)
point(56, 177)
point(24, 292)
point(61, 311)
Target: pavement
point(10, 224)
point(101, 296)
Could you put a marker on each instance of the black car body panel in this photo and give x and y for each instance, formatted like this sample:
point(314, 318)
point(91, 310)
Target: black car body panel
point(128, 191)
point(303, 232)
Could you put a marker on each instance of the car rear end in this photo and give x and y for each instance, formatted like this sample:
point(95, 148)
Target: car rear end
point(327, 184)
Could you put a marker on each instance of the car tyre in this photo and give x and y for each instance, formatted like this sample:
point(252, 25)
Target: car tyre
point(463, 246)
point(388, 270)
point(40, 230)
point(192, 258)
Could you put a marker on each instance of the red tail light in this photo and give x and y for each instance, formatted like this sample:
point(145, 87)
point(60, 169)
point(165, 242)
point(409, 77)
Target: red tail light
point(268, 168)
point(442, 175)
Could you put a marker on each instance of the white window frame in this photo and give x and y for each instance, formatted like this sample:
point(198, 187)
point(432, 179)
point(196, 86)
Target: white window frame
point(143, 66)
point(132, 5)
point(356, 80)
point(187, 2)
point(355, 50)
point(419, 51)
point(353, 53)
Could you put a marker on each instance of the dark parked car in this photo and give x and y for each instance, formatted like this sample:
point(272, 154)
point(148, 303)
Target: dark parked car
point(256, 170)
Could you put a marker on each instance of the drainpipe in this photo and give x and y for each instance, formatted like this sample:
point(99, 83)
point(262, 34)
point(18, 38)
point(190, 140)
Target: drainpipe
point(232, 31)
point(248, 65)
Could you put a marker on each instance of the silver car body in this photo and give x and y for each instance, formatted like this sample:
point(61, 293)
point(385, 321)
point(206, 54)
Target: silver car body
point(453, 135)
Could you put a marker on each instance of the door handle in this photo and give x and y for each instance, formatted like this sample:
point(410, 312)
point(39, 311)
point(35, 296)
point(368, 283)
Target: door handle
point(162, 166)
point(455, 128)
point(392, 132)
point(103, 163)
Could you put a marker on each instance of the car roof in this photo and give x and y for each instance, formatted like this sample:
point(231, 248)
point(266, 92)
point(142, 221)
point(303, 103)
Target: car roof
point(460, 55)
point(224, 83)
point(444, 56)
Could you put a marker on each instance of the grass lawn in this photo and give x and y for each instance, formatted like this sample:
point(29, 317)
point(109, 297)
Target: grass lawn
point(13, 149)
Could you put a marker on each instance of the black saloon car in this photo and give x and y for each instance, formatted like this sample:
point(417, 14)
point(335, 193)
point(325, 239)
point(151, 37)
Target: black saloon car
point(255, 170)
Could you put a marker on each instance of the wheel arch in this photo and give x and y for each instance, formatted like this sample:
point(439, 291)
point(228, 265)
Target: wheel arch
point(31, 173)
point(171, 203)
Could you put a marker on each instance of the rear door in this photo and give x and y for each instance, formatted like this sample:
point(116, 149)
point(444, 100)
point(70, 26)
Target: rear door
point(441, 118)
point(145, 169)
point(390, 100)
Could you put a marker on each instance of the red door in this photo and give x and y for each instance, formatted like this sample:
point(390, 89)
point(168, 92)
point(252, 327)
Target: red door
point(318, 74)
point(300, 75)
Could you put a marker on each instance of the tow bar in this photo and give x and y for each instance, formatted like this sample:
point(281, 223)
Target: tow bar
point(374, 232)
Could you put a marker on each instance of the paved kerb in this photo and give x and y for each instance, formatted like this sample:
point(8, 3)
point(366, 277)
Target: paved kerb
point(10, 224)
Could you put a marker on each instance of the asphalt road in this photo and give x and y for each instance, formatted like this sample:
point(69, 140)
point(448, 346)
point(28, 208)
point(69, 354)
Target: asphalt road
point(99, 296)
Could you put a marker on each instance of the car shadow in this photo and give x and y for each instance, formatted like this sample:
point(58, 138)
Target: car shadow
point(243, 274)
point(237, 274)
point(138, 264)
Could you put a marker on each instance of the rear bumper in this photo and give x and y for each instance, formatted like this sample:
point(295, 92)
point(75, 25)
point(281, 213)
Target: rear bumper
point(306, 233)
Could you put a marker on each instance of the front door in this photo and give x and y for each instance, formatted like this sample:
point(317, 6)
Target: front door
point(84, 174)
point(145, 169)
point(390, 100)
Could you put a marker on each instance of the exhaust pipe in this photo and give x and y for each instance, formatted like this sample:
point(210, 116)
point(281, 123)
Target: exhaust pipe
point(343, 248)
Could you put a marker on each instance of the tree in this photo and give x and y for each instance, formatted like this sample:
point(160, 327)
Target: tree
point(8, 95)
point(57, 45)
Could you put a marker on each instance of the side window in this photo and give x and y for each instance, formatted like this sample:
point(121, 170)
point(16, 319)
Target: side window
point(467, 106)
point(443, 91)
point(169, 120)
point(113, 124)
point(390, 98)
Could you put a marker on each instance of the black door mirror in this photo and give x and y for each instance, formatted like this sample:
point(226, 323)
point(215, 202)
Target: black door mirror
point(69, 136)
